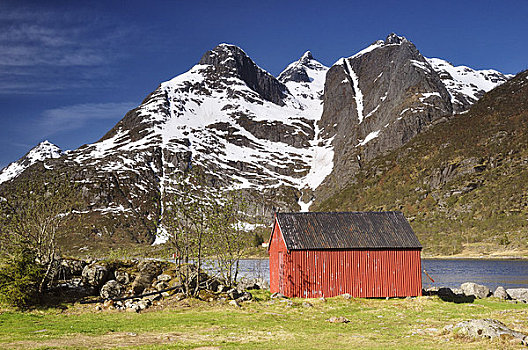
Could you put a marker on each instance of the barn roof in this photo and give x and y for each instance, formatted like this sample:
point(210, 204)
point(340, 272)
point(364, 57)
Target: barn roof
point(346, 230)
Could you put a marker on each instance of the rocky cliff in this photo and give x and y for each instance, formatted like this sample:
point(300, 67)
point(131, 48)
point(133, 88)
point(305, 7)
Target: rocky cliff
point(290, 142)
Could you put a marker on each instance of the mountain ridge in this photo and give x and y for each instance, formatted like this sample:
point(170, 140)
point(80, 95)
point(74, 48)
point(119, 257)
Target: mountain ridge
point(288, 142)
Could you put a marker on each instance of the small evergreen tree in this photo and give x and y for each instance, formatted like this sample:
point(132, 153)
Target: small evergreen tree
point(20, 278)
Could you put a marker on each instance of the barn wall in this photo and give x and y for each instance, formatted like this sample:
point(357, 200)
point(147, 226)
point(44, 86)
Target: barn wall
point(362, 273)
point(276, 247)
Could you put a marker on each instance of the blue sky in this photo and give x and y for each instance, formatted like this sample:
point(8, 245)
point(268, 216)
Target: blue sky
point(70, 70)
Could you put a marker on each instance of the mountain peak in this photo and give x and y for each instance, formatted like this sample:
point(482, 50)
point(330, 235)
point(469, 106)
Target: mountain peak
point(393, 38)
point(307, 56)
point(298, 71)
point(231, 61)
point(41, 152)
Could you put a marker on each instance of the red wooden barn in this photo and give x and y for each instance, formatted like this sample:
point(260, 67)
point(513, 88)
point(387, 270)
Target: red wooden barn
point(366, 254)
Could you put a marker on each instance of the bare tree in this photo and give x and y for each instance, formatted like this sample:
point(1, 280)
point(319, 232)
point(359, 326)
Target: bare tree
point(230, 236)
point(185, 219)
point(204, 222)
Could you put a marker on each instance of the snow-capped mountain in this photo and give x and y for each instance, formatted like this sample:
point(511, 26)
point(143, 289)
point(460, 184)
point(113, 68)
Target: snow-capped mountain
point(42, 151)
point(466, 85)
point(287, 142)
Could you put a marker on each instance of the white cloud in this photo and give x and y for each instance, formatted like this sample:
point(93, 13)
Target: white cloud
point(55, 46)
point(76, 116)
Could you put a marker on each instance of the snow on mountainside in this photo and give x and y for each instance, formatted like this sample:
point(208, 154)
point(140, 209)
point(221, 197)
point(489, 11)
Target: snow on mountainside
point(288, 142)
point(466, 85)
point(44, 150)
point(212, 114)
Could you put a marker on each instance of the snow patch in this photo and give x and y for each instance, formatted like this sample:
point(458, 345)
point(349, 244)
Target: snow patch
point(369, 137)
point(358, 95)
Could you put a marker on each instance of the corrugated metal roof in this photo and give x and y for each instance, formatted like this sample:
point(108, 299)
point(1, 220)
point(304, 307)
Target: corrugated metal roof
point(346, 230)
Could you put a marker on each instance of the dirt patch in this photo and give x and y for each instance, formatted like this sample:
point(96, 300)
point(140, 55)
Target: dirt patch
point(129, 339)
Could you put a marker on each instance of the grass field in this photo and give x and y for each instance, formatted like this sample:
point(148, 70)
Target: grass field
point(262, 324)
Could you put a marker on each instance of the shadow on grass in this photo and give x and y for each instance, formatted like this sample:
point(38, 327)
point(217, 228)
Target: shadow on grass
point(446, 294)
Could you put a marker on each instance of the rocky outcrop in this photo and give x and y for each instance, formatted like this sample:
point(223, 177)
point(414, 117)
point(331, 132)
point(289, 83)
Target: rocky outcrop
point(473, 289)
point(501, 293)
point(231, 60)
point(147, 272)
point(379, 98)
point(488, 328)
point(95, 275)
point(520, 294)
point(111, 289)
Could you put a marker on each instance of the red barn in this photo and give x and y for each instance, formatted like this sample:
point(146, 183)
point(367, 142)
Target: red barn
point(366, 254)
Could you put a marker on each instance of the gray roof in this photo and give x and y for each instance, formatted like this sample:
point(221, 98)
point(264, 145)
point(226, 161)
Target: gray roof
point(346, 230)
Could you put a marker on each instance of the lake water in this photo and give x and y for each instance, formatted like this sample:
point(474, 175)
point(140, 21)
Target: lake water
point(446, 273)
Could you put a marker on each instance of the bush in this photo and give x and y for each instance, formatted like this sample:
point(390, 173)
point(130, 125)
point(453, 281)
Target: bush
point(20, 276)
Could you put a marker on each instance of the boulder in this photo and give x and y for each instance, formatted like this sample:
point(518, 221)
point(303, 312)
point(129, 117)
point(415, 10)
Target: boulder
point(95, 275)
point(69, 268)
point(501, 293)
point(520, 294)
point(476, 290)
point(111, 289)
point(148, 270)
point(122, 277)
point(246, 296)
point(234, 294)
point(234, 303)
point(248, 284)
point(164, 278)
point(489, 328)
point(206, 295)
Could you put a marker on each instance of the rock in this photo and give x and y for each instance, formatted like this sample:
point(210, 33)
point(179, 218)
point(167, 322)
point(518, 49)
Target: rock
point(95, 275)
point(231, 60)
point(206, 295)
point(346, 296)
point(490, 329)
point(108, 303)
point(122, 277)
point(98, 307)
point(520, 294)
point(248, 284)
point(307, 304)
point(161, 286)
point(339, 319)
point(69, 268)
point(476, 290)
point(164, 278)
point(234, 294)
point(246, 296)
point(148, 270)
point(111, 289)
point(278, 295)
point(234, 303)
point(501, 293)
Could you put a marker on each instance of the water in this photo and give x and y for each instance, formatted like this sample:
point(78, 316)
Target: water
point(446, 273)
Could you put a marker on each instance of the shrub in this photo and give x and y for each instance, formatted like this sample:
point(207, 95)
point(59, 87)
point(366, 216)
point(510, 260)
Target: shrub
point(20, 276)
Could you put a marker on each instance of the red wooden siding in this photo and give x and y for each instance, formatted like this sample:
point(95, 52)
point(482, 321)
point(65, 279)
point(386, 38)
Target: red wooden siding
point(276, 247)
point(362, 273)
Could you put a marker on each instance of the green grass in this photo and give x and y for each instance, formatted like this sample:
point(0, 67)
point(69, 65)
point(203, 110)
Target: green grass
point(375, 323)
